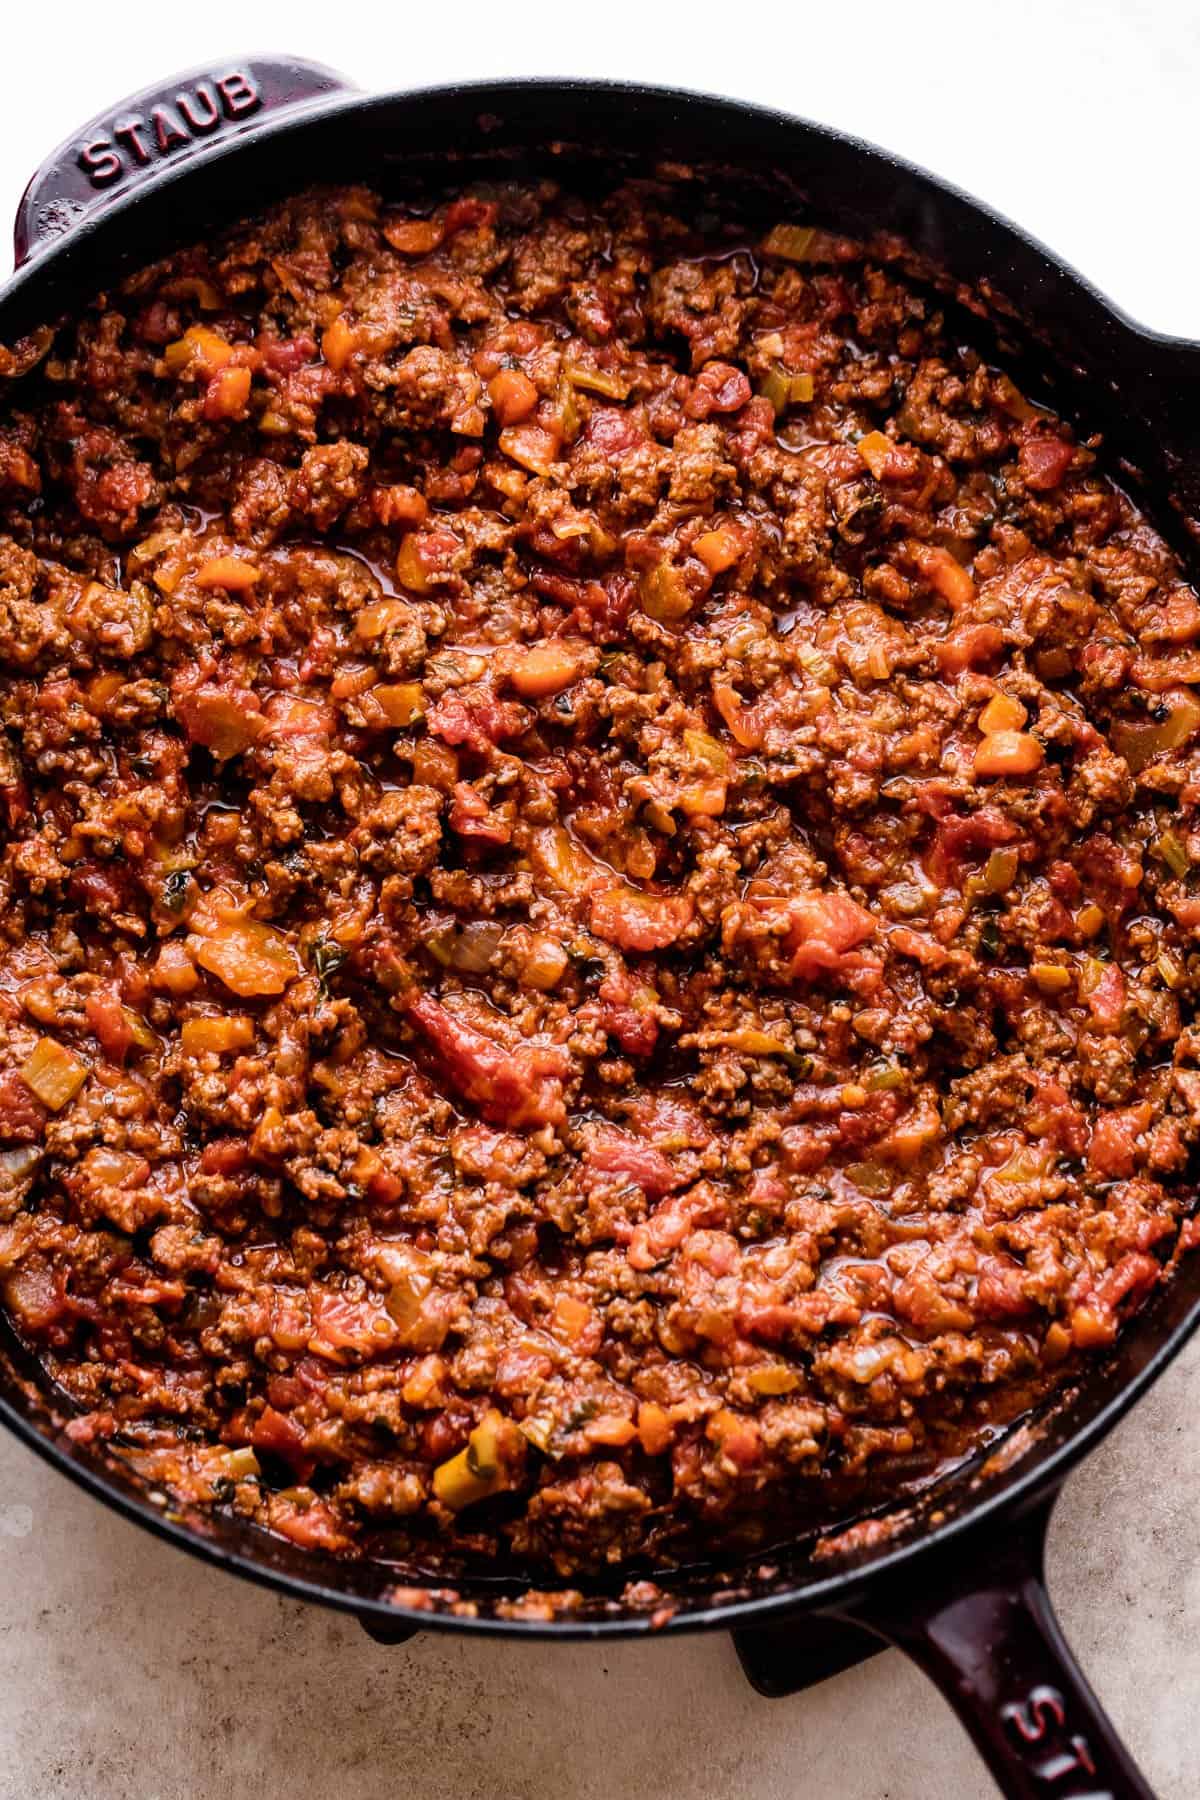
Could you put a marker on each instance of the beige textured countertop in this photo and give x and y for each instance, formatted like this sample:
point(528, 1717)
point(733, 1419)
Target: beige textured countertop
point(128, 1671)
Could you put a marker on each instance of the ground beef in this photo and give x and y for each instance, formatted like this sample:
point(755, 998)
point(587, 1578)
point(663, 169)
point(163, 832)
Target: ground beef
point(597, 879)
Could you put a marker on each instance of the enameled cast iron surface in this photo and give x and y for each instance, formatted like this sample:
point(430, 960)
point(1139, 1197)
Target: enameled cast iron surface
point(1142, 390)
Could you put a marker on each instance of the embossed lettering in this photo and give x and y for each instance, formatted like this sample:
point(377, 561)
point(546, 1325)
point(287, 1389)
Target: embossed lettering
point(1042, 1711)
point(100, 162)
point(1033, 1717)
point(1079, 1756)
point(194, 111)
point(167, 131)
point(189, 105)
point(127, 133)
point(239, 93)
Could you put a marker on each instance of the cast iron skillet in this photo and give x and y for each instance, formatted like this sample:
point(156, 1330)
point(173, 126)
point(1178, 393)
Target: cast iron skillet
point(958, 1583)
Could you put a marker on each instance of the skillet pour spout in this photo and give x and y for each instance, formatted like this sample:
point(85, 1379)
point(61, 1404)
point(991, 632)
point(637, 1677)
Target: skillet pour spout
point(958, 1584)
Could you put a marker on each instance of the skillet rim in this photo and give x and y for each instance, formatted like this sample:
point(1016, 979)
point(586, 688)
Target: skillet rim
point(1017, 1488)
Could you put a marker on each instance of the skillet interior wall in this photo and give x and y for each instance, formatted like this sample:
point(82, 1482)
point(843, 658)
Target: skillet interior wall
point(1142, 394)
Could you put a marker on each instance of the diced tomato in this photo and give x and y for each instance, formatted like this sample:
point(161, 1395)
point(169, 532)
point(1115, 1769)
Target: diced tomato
point(964, 835)
point(1065, 882)
point(617, 1152)
point(225, 1156)
point(670, 1224)
point(718, 388)
point(768, 1321)
point(806, 1148)
point(1106, 1001)
point(969, 647)
point(600, 608)
point(567, 590)
point(747, 724)
point(283, 356)
point(825, 931)
point(713, 1253)
point(98, 888)
point(613, 430)
point(1055, 923)
point(276, 1432)
point(1044, 461)
point(1111, 874)
point(737, 1438)
point(999, 1290)
point(635, 1029)
point(293, 716)
point(638, 921)
point(754, 426)
point(384, 1187)
point(471, 817)
point(314, 1528)
point(284, 1392)
point(671, 1121)
point(22, 1115)
point(223, 718)
point(33, 1293)
point(1053, 1115)
point(1094, 1321)
point(468, 214)
point(521, 1086)
point(90, 1428)
point(521, 1368)
point(111, 1022)
point(362, 1326)
point(138, 1286)
point(480, 722)
point(1112, 1152)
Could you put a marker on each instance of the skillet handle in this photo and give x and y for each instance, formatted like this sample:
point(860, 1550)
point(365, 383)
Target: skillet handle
point(982, 1627)
point(131, 143)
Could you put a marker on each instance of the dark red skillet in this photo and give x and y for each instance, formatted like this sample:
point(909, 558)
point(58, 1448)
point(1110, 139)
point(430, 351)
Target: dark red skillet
point(959, 1584)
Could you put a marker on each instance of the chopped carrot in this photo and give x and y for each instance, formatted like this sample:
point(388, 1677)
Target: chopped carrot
point(413, 237)
point(338, 343)
point(718, 550)
point(233, 573)
point(1002, 713)
point(249, 957)
point(875, 449)
point(513, 397)
point(1013, 753)
point(227, 394)
point(545, 668)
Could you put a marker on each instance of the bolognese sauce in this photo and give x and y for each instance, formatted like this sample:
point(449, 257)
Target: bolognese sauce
point(599, 928)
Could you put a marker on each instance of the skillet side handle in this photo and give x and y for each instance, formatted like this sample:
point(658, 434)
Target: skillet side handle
point(982, 1627)
point(175, 120)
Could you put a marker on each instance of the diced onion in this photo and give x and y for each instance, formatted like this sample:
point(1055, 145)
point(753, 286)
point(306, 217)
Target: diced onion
point(54, 1073)
point(1174, 853)
point(791, 242)
point(596, 381)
